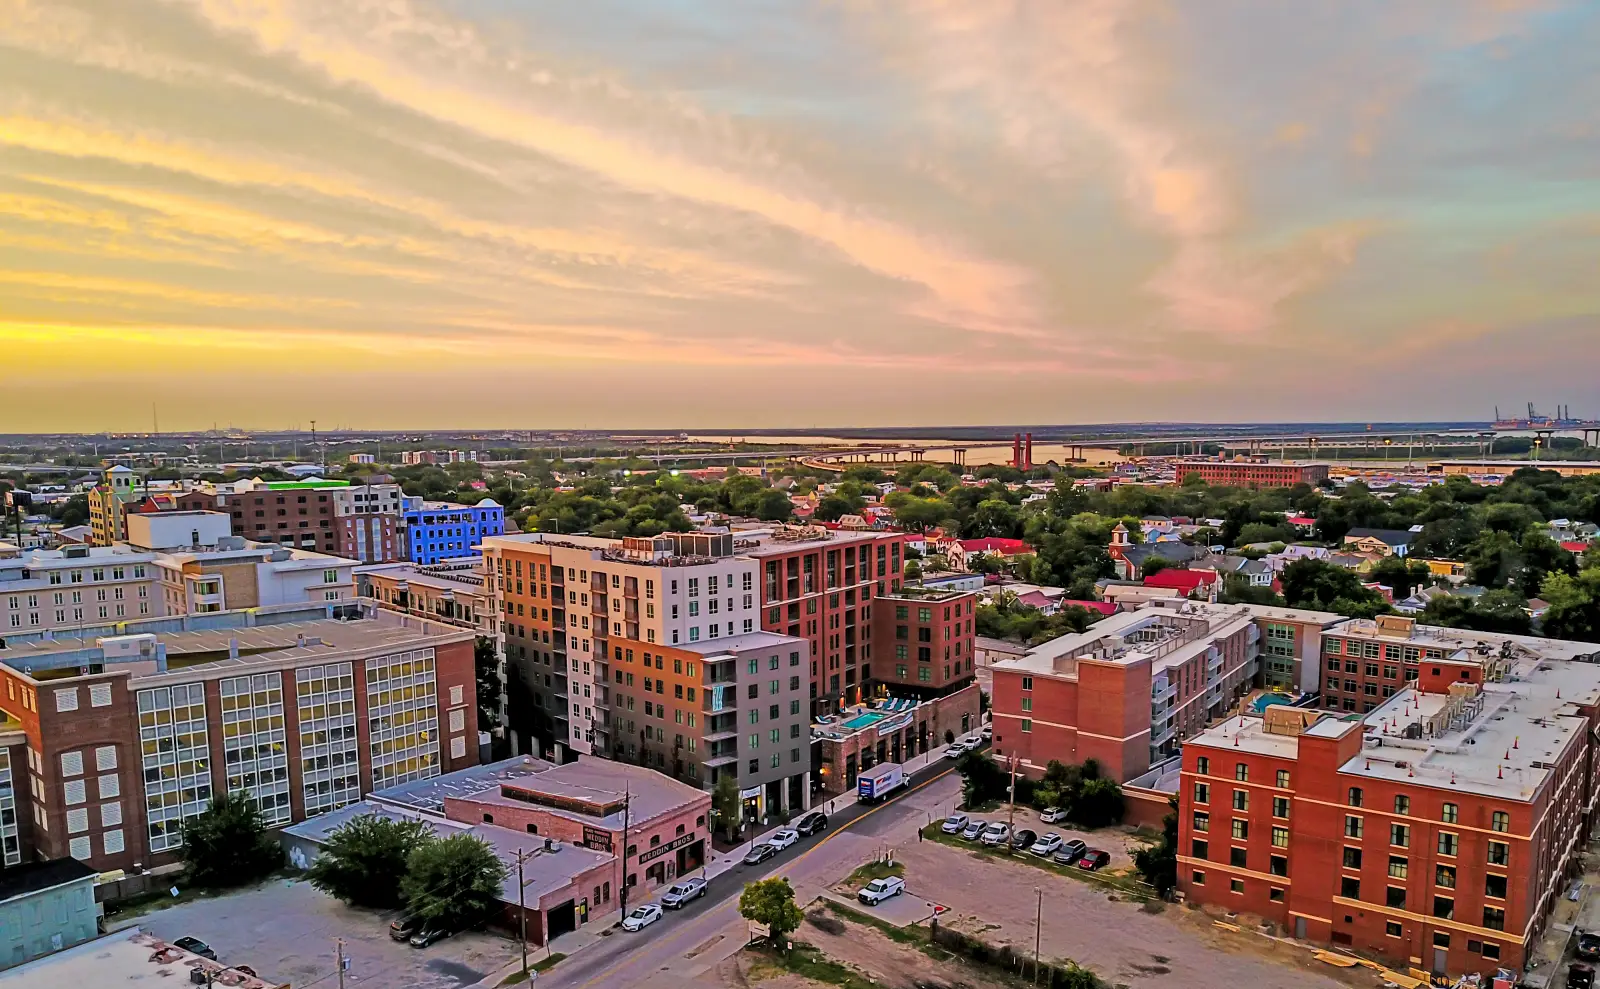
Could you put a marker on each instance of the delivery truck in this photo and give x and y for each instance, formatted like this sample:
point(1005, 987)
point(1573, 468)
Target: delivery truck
point(878, 782)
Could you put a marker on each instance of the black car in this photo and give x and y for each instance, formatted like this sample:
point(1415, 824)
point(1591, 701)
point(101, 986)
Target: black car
point(811, 823)
point(760, 853)
point(194, 945)
point(428, 936)
point(1023, 839)
point(1589, 946)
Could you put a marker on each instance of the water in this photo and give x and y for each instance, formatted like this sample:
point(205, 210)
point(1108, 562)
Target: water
point(978, 454)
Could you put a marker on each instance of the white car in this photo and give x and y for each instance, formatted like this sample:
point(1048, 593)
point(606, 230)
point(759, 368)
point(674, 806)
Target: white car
point(971, 742)
point(683, 892)
point(1047, 844)
point(955, 751)
point(1053, 814)
point(641, 917)
point(783, 838)
point(879, 890)
point(986, 732)
point(955, 824)
point(995, 834)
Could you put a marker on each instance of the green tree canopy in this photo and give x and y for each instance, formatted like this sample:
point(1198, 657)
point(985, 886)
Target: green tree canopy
point(227, 844)
point(365, 859)
point(771, 902)
point(453, 883)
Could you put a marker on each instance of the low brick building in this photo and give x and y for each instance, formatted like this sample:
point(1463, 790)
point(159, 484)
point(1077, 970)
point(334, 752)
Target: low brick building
point(860, 738)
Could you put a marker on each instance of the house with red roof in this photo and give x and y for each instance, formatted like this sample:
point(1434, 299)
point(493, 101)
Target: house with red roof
point(962, 551)
point(1186, 582)
point(1575, 546)
point(1107, 608)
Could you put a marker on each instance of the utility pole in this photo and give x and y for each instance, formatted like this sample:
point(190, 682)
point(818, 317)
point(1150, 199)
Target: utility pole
point(338, 948)
point(1011, 805)
point(622, 893)
point(1038, 920)
point(522, 908)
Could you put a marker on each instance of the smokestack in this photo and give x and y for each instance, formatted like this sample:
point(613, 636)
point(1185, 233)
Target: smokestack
point(1028, 454)
point(1016, 449)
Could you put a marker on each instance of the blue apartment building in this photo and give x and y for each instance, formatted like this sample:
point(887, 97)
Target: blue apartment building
point(437, 531)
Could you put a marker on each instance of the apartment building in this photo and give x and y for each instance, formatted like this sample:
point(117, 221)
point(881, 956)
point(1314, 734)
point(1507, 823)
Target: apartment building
point(1366, 661)
point(1253, 473)
point(437, 530)
point(583, 618)
point(129, 733)
point(452, 592)
point(369, 538)
point(108, 503)
point(1436, 831)
point(930, 644)
point(1128, 691)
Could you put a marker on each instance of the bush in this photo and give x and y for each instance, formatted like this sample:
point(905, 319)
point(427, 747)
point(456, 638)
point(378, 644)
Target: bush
point(1009, 959)
point(227, 843)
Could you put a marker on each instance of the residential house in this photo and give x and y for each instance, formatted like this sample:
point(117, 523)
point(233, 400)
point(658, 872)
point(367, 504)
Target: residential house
point(963, 551)
point(1385, 542)
point(1128, 557)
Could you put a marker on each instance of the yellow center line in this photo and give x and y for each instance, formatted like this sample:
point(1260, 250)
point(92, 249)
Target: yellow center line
point(801, 858)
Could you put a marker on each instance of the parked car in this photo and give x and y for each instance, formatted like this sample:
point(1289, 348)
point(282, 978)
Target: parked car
point(1069, 852)
point(879, 890)
point(973, 829)
point(682, 892)
point(955, 750)
point(403, 928)
point(760, 853)
point(1048, 844)
point(955, 824)
point(1094, 859)
point(1053, 815)
point(970, 742)
point(641, 917)
point(812, 823)
point(427, 936)
point(783, 838)
point(1580, 976)
point(1023, 838)
point(194, 945)
point(1589, 946)
point(986, 732)
point(995, 834)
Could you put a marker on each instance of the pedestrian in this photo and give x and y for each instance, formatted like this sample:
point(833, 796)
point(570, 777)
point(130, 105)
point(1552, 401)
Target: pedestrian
point(919, 836)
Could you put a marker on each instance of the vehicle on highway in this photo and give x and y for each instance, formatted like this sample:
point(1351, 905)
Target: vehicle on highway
point(427, 936)
point(195, 946)
point(783, 838)
point(1589, 946)
point(973, 829)
point(682, 892)
point(1094, 859)
point(1048, 844)
point(1069, 852)
point(995, 833)
point(1023, 838)
point(955, 750)
point(641, 917)
point(812, 822)
point(759, 854)
point(1052, 815)
point(879, 890)
point(955, 824)
point(404, 927)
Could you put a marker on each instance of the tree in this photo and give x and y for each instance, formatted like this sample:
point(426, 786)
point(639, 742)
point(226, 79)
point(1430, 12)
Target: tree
point(1400, 575)
point(365, 859)
point(981, 779)
point(227, 843)
point(1158, 863)
point(1237, 589)
point(913, 571)
point(453, 883)
point(1099, 803)
point(1153, 565)
point(1324, 586)
point(73, 511)
point(725, 806)
point(771, 902)
point(486, 664)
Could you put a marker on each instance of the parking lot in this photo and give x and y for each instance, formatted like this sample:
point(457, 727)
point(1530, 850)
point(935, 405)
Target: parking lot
point(286, 931)
point(1119, 843)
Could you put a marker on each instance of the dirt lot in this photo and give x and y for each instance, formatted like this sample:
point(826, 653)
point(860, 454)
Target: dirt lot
point(1120, 940)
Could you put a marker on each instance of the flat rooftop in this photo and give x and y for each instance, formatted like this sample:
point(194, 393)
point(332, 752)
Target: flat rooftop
point(739, 643)
point(129, 957)
point(1398, 630)
point(430, 794)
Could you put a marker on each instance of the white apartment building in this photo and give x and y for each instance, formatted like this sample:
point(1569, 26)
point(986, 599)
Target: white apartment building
point(367, 499)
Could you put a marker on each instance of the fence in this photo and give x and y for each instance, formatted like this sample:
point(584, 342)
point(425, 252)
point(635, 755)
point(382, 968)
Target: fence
point(1007, 958)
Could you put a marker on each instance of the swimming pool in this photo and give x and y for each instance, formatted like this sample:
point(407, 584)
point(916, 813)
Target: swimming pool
point(1268, 700)
point(863, 720)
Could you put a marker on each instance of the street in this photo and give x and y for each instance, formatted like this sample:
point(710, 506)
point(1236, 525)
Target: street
point(680, 948)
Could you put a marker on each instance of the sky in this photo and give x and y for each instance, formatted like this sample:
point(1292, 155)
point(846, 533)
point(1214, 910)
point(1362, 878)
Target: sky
point(745, 213)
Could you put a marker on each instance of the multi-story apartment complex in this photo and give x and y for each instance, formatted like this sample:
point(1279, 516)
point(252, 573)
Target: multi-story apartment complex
point(1436, 831)
point(452, 592)
point(436, 530)
point(929, 645)
point(369, 538)
point(108, 502)
point(415, 457)
point(176, 563)
point(361, 521)
point(127, 734)
point(1254, 473)
point(1131, 688)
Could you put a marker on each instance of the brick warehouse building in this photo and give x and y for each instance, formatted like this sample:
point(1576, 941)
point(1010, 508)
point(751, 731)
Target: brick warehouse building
point(1253, 473)
point(1436, 831)
point(304, 711)
point(1131, 688)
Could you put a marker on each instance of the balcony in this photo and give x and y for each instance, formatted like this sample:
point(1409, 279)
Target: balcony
point(720, 736)
point(1160, 694)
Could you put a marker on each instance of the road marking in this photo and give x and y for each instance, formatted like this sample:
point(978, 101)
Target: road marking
point(796, 861)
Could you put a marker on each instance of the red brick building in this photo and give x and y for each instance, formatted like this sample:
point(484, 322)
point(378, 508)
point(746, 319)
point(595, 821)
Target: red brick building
point(927, 635)
point(1131, 688)
point(128, 736)
point(1253, 474)
point(1436, 832)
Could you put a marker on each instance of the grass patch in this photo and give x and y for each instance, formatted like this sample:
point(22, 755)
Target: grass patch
point(1123, 883)
point(874, 870)
point(545, 964)
point(901, 935)
point(515, 978)
point(807, 962)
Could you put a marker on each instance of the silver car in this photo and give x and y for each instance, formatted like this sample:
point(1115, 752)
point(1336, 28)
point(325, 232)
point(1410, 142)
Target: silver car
point(683, 892)
point(973, 829)
point(955, 824)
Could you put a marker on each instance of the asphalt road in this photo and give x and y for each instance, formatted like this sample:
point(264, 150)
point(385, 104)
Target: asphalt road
point(678, 949)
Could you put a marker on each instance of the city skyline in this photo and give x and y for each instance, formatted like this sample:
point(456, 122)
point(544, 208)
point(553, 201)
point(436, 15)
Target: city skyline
point(623, 213)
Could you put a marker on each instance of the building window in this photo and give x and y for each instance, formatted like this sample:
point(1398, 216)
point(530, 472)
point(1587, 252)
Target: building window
point(1444, 876)
point(1352, 826)
point(1398, 867)
point(1354, 796)
point(1491, 951)
point(1495, 886)
point(1278, 865)
point(1202, 793)
point(1283, 778)
point(1448, 814)
point(1027, 723)
point(1241, 800)
point(172, 731)
point(1236, 885)
point(1275, 894)
point(1197, 878)
point(1241, 772)
point(1402, 804)
point(1352, 857)
point(1202, 766)
point(253, 742)
point(1199, 849)
point(1400, 835)
point(1241, 829)
point(1395, 896)
point(1447, 843)
point(1280, 837)
point(1280, 807)
point(1350, 887)
point(1500, 821)
point(1392, 928)
point(1238, 858)
point(1499, 853)
point(1202, 821)
point(1444, 907)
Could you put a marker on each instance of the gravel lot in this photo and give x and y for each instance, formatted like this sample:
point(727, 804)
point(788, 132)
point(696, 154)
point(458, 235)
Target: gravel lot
point(285, 932)
point(1117, 939)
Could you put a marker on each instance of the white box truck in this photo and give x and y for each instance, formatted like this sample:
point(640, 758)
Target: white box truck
point(879, 781)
